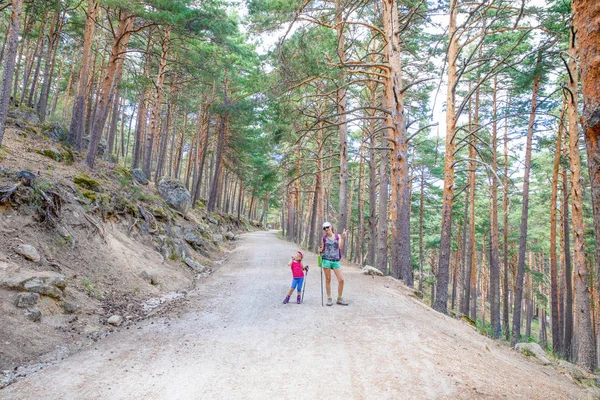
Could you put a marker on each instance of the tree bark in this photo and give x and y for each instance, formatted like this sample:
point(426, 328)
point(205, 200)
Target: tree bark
point(9, 67)
point(219, 154)
point(398, 141)
point(586, 349)
point(556, 339)
point(77, 115)
point(343, 127)
point(157, 104)
point(108, 85)
point(494, 240)
point(441, 296)
point(568, 339)
point(586, 18)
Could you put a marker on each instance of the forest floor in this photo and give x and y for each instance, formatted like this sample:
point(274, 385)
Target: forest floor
point(232, 337)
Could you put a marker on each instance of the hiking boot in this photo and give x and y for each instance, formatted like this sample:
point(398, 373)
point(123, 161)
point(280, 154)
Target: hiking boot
point(298, 300)
point(286, 300)
point(341, 302)
point(329, 301)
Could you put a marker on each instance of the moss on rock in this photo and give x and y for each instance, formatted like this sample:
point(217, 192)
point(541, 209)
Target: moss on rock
point(85, 182)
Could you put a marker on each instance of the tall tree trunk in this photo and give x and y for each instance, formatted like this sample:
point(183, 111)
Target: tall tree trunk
point(219, 154)
point(586, 349)
point(505, 308)
point(568, 339)
point(421, 221)
point(157, 103)
point(203, 130)
point(465, 293)
point(77, 115)
point(110, 81)
point(441, 296)
point(53, 39)
point(114, 121)
point(556, 339)
point(516, 331)
point(9, 67)
point(494, 256)
point(343, 127)
point(587, 26)
point(399, 177)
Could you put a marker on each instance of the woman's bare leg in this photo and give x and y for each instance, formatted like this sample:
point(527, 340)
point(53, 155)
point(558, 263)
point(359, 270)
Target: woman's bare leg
point(340, 279)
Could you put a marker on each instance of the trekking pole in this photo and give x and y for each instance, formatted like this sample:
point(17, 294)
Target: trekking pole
point(304, 285)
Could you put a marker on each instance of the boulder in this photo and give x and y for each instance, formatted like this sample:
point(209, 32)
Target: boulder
point(29, 252)
point(34, 315)
point(368, 270)
point(195, 265)
point(139, 176)
point(217, 237)
point(150, 278)
point(102, 146)
point(229, 235)
point(52, 153)
point(171, 248)
point(26, 114)
point(115, 320)
point(56, 131)
point(42, 286)
point(25, 300)
point(193, 238)
point(70, 308)
point(533, 350)
point(175, 194)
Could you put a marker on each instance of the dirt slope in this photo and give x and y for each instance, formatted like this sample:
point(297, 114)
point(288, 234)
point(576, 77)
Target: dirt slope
point(234, 339)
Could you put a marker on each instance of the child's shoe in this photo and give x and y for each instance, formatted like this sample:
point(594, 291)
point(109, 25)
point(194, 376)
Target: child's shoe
point(298, 299)
point(329, 301)
point(286, 300)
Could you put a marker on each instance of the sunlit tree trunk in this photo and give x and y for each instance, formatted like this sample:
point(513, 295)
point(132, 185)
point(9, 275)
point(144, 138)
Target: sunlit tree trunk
point(441, 296)
point(586, 346)
point(399, 176)
point(109, 82)
point(494, 256)
point(587, 27)
point(569, 323)
point(77, 115)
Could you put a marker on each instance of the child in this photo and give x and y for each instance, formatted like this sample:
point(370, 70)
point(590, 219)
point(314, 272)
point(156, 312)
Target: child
point(298, 276)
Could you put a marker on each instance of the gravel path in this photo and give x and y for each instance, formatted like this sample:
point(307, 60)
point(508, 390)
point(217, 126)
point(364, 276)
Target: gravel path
point(234, 339)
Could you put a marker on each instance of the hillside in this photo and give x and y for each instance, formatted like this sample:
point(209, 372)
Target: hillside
point(78, 247)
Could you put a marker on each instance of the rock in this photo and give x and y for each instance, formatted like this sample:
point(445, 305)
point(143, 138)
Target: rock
point(195, 265)
point(534, 350)
point(115, 320)
point(69, 308)
point(217, 237)
point(29, 252)
point(576, 373)
point(368, 270)
point(175, 194)
point(41, 286)
point(139, 176)
point(34, 315)
point(56, 131)
point(26, 114)
point(102, 146)
point(229, 235)
point(170, 247)
point(52, 153)
point(151, 279)
point(213, 220)
point(25, 300)
point(193, 238)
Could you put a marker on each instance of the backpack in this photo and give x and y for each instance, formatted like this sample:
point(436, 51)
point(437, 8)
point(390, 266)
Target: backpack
point(337, 238)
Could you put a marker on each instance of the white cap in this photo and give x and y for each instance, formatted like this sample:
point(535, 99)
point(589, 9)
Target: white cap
point(327, 225)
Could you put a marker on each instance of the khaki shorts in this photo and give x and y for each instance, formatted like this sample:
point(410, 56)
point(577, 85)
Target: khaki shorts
point(330, 264)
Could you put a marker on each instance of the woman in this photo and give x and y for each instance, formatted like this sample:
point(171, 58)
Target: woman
point(331, 250)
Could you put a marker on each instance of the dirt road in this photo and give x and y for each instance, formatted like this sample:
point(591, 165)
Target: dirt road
point(236, 340)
